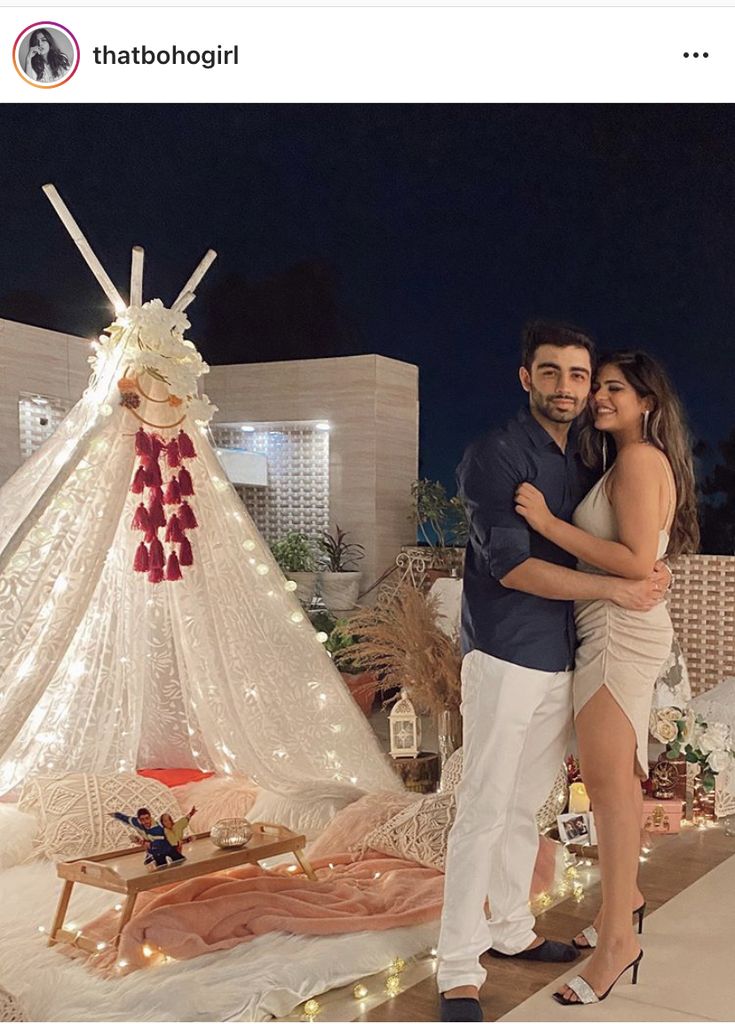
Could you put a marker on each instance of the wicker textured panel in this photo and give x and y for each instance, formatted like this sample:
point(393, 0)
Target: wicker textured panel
point(702, 607)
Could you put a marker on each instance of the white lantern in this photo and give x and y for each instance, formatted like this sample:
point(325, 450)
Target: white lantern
point(405, 728)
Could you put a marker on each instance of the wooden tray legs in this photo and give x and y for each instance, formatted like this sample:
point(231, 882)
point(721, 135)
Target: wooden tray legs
point(305, 865)
point(61, 910)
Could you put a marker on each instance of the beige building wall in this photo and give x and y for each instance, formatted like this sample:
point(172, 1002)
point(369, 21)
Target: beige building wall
point(37, 361)
point(371, 403)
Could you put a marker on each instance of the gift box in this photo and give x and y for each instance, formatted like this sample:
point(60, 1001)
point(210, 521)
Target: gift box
point(662, 816)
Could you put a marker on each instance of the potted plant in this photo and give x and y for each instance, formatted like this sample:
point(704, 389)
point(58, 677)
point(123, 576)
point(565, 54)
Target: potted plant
point(402, 642)
point(339, 578)
point(442, 523)
point(361, 682)
point(295, 557)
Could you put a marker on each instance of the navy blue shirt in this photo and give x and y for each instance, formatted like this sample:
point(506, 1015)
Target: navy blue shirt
point(526, 630)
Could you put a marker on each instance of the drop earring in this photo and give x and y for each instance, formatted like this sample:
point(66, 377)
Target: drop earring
point(646, 416)
point(604, 453)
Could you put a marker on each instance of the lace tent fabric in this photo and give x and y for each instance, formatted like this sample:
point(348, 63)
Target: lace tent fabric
point(211, 665)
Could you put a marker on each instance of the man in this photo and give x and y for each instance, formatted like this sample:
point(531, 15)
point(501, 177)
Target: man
point(518, 641)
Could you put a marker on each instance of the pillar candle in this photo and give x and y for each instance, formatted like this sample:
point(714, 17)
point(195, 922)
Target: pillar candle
point(579, 802)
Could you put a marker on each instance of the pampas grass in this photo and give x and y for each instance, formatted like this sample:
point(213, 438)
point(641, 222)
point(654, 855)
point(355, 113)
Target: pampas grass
point(403, 644)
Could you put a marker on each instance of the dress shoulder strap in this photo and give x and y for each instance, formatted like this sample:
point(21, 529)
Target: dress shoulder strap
point(671, 510)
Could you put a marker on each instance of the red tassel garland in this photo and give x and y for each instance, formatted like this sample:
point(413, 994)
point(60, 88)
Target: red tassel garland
point(152, 472)
point(187, 519)
point(140, 563)
point(156, 515)
point(151, 535)
point(140, 519)
point(186, 485)
point(172, 495)
point(172, 454)
point(186, 555)
point(156, 555)
point(186, 446)
point(174, 534)
point(173, 572)
point(142, 443)
point(138, 484)
point(155, 575)
point(155, 494)
point(157, 446)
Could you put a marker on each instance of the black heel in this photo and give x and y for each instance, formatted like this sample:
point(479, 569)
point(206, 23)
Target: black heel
point(590, 933)
point(636, 965)
point(586, 994)
point(639, 914)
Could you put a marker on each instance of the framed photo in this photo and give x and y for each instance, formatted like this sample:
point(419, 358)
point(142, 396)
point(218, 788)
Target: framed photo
point(575, 828)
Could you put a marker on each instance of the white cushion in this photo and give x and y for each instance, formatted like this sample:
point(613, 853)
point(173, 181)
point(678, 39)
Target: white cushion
point(308, 815)
point(17, 831)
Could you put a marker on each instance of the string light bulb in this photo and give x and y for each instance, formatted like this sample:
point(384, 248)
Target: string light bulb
point(311, 1008)
point(393, 984)
point(398, 965)
point(359, 992)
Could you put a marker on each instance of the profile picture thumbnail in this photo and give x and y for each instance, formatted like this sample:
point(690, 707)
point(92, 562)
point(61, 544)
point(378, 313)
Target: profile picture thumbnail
point(46, 54)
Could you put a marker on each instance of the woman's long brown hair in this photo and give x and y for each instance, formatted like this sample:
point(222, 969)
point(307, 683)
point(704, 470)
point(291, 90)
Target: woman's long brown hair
point(667, 429)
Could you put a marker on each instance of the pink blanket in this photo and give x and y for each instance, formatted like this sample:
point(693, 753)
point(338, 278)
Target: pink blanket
point(221, 911)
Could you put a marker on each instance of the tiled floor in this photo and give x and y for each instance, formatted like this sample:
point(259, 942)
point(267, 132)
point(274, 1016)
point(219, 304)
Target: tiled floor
point(688, 970)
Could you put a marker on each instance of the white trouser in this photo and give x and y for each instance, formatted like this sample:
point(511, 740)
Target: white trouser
point(516, 724)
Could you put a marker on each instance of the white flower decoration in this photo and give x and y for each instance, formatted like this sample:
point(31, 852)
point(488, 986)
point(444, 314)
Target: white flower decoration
point(718, 760)
point(715, 737)
point(201, 410)
point(152, 339)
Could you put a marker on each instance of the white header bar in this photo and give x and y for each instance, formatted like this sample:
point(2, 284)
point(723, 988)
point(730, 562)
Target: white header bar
point(411, 54)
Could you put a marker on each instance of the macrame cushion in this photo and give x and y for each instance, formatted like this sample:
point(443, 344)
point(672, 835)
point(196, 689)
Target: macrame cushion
point(673, 688)
point(418, 833)
point(348, 829)
point(546, 817)
point(10, 1008)
point(216, 798)
point(73, 811)
point(452, 772)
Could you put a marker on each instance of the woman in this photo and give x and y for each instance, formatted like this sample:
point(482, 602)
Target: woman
point(641, 509)
point(45, 61)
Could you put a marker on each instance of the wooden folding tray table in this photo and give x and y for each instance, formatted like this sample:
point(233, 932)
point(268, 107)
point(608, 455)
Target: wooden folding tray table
point(122, 871)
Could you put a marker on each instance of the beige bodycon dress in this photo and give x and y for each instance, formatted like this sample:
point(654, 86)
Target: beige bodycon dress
point(620, 649)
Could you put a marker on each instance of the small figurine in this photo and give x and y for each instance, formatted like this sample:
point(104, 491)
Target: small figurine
point(159, 850)
point(174, 830)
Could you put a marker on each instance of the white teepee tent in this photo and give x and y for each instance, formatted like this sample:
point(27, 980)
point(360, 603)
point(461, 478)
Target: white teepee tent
point(149, 645)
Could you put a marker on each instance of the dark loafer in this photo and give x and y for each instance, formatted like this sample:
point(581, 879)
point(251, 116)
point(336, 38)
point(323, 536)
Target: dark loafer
point(549, 952)
point(463, 1009)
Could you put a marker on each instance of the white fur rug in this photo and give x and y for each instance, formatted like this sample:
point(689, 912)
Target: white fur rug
point(267, 977)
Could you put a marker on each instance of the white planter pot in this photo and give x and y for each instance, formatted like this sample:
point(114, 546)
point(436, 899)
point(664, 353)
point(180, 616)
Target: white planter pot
point(339, 590)
point(305, 585)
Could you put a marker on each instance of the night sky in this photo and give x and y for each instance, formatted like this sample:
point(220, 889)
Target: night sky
point(439, 230)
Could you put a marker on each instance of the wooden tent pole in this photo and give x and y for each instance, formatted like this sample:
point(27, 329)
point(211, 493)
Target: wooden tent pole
point(136, 276)
point(84, 247)
point(190, 287)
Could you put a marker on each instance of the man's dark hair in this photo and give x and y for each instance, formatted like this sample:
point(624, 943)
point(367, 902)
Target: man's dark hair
point(552, 332)
point(143, 810)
